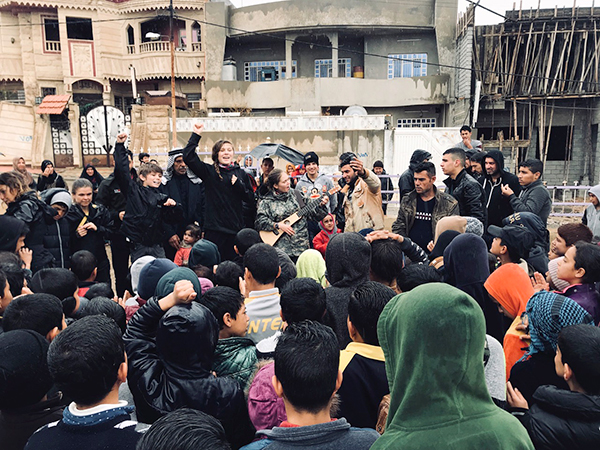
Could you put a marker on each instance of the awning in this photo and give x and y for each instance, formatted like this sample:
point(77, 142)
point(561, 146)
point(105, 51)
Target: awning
point(53, 104)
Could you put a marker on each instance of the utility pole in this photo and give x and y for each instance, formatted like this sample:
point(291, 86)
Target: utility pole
point(173, 107)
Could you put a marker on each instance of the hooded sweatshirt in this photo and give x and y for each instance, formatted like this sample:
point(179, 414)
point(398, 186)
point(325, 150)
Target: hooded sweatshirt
point(11, 229)
point(311, 264)
point(170, 355)
point(510, 286)
point(498, 205)
point(406, 183)
point(433, 339)
point(591, 215)
point(467, 268)
point(204, 252)
point(348, 260)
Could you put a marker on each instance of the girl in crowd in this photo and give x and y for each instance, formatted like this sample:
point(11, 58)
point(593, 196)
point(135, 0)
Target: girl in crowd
point(24, 204)
point(20, 166)
point(90, 225)
point(226, 191)
point(49, 178)
point(278, 204)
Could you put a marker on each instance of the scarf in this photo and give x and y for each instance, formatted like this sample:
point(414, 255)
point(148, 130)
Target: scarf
point(168, 174)
point(26, 175)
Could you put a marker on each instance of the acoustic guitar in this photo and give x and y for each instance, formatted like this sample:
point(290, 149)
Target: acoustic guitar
point(272, 236)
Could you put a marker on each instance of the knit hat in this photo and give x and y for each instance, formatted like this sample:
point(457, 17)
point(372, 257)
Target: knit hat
point(559, 284)
point(62, 197)
point(474, 226)
point(205, 284)
point(204, 253)
point(150, 274)
point(136, 268)
point(378, 164)
point(311, 157)
point(166, 284)
point(24, 374)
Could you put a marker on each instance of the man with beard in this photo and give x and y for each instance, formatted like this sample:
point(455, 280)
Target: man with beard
point(406, 183)
point(498, 206)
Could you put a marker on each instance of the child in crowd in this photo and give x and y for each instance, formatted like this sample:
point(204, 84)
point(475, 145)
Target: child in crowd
point(90, 225)
point(11, 265)
point(228, 274)
point(146, 206)
point(561, 418)
point(88, 364)
point(188, 428)
point(61, 283)
point(244, 239)
point(511, 244)
point(311, 264)
point(591, 216)
point(24, 405)
point(109, 308)
point(235, 355)
point(41, 313)
point(85, 266)
point(302, 299)
point(567, 235)
point(191, 235)
point(58, 233)
point(328, 229)
point(307, 377)
point(362, 363)
point(170, 346)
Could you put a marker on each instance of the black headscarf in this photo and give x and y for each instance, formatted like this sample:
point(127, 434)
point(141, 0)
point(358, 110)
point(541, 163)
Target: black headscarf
point(11, 229)
point(95, 179)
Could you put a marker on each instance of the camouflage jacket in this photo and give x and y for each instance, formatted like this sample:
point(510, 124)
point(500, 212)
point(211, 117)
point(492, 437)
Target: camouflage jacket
point(274, 208)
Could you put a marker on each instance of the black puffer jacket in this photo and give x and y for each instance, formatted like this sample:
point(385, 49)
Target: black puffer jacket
point(469, 194)
point(34, 213)
point(224, 201)
point(144, 212)
point(406, 183)
point(57, 235)
point(170, 358)
point(562, 419)
point(538, 255)
point(498, 205)
point(93, 241)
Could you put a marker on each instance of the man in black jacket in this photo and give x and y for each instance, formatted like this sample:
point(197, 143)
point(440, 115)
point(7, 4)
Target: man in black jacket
point(498, 206)
point(463, 186)
point(183, 186)
point(110, 195)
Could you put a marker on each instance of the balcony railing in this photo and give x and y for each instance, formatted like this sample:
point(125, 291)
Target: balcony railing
point(196, 46)
point(53, 46)
point(155, 46)
point(131, 49)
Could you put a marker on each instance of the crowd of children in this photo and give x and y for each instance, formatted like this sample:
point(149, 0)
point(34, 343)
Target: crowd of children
point(487, 338)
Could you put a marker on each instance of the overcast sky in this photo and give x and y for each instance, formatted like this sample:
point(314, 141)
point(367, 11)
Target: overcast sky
point(482, 17)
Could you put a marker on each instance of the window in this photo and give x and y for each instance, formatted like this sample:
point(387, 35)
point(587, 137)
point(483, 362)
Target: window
point(194, 100)
point(266, 70)
point(13, 96)
point(48, 91)
point(51, 29)
point(79, 28)
point(407, 65)
point(130, 35)
point(416, 123)
point(323, 68)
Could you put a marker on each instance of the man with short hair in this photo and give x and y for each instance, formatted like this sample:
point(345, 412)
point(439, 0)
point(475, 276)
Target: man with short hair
point(386, 184)
point(266, 167)
point(498, 206)
point(462, 186)
point(362, 206)
point(534, 197)
point(307, 376)
point(406, 181)
point(261, 269)
point(183, 186)
point(312, 185)
point(423, 207)
point(467, 143)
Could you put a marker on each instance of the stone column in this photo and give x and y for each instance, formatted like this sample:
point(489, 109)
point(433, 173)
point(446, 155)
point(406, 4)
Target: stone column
point(333, 38)
point(288, 54)
point(188, 35)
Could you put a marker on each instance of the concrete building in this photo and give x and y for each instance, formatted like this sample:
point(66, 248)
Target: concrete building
point(89, 51)
point(538, 72)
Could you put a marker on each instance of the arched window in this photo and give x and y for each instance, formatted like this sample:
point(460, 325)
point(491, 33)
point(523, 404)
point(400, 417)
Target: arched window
point(130, 40)
point(196, 37)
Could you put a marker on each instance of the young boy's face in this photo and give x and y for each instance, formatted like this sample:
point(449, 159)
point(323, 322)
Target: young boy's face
point(496, 247)
point(559, 245)
point(239, 327)
point(83, 196)
point(20, 244)
point(188, 238)
point(593, 199)
point(151, 180)
point(559, 367)
point(61, 209)
point(6, 297)
point(328, 223)
point(566, 268)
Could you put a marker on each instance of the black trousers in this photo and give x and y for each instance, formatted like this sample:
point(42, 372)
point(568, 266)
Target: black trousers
point(120, 262)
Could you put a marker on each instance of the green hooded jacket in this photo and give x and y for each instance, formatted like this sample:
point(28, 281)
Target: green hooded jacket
point(235, 357)
point(433, 339)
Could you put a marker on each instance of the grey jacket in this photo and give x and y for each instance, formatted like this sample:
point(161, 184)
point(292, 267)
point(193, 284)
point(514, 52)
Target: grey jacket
point(322, 183)
point(334, 435)
point(533, 198)
point(445, 205)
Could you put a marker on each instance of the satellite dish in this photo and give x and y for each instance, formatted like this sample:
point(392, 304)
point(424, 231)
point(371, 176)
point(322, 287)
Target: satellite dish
point(356, 110)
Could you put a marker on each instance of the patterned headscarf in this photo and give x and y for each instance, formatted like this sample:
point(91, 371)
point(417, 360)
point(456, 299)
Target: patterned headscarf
point(548, 314)
point(168, 174)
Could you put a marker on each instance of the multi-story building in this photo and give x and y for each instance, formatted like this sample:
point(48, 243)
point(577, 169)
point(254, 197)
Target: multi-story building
point(88, 52)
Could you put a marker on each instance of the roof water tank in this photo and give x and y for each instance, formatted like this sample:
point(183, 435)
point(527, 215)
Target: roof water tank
point(229, 71)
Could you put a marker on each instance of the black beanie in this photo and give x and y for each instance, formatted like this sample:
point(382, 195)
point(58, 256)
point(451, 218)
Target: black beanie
point(23, 369)
point(311, 157)
point(378, 164)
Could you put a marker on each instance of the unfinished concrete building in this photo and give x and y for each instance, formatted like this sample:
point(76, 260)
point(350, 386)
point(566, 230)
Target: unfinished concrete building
point(540, 90)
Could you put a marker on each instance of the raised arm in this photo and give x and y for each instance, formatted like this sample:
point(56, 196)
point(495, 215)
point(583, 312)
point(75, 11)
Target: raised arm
point(191, 158)
point(122, 174)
